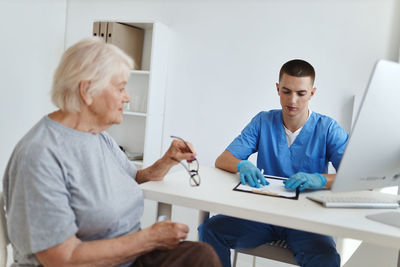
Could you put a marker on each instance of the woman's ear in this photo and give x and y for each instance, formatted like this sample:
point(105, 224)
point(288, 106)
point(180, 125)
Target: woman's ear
point(84, 92)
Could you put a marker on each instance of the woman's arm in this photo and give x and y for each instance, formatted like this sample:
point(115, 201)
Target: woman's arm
point(178, 151)
point(114, 251)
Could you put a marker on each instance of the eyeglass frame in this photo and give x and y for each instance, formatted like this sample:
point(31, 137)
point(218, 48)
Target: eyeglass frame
point(192, 173)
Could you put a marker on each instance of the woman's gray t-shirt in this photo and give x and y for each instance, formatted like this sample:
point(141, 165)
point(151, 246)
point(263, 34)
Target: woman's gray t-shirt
point(60, 182)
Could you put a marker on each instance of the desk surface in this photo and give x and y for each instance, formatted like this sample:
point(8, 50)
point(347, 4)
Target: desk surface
point(215, 194)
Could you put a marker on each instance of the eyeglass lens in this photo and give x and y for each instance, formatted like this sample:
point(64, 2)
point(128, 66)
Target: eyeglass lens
point(193, 168)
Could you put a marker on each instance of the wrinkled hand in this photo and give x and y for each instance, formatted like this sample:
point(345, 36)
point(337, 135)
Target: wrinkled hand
point(180, 150)
point(305, 180)
point(168, 234)
point(250, 174)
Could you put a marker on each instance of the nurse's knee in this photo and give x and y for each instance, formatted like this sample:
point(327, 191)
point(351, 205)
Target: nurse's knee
point(211, 225)
point(327, 258)
point(205, 228)
point(330, 258)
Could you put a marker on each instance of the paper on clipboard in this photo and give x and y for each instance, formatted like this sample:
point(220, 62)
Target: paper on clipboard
point(275, 188)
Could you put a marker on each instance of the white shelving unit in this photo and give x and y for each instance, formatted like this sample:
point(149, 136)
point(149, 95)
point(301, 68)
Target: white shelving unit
point(141, 129)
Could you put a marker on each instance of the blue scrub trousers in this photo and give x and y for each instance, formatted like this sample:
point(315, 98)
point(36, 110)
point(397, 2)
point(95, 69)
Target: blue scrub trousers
point(224, 232)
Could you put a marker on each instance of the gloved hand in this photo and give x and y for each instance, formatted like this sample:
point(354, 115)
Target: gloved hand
point(305, 180)
point(250, 174)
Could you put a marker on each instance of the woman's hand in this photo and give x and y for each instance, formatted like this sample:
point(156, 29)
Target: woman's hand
point(180, 150)
point(167, 234)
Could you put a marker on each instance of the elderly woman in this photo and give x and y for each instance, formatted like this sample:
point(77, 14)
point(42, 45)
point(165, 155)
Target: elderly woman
point(72, 196)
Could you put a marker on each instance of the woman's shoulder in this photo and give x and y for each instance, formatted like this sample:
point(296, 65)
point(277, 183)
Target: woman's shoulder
point(109, 141)
point(35, 150)
point(106, 137)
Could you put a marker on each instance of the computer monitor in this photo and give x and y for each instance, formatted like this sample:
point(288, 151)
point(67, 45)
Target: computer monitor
point(372, 156)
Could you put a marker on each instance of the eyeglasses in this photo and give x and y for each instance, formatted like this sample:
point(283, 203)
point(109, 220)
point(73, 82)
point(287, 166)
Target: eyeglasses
point(192, 167)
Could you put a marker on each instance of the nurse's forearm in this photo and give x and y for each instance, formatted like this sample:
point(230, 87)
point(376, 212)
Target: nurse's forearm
point(329, 179)
point(227, 162)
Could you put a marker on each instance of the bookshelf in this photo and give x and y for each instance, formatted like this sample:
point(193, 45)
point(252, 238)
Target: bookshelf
point(142, 126)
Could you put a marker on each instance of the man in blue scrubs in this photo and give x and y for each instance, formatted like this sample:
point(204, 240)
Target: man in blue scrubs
point(291, 142)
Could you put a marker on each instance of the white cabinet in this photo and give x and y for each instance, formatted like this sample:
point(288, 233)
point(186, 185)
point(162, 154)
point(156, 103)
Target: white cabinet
point(142, 126)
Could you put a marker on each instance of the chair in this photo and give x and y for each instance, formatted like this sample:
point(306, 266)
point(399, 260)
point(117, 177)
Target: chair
point(3, 234)
point(277, 251)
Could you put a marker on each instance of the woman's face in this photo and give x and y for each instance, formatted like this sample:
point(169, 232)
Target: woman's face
point(107, 107)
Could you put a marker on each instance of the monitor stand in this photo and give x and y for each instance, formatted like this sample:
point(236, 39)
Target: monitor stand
point(391, 218)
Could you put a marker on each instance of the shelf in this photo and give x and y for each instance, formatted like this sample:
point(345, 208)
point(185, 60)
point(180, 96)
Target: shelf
point(137, 162)
point(131, 113)
point(140, 72)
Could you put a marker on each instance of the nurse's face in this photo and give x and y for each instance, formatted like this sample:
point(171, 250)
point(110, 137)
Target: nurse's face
point(294, 93)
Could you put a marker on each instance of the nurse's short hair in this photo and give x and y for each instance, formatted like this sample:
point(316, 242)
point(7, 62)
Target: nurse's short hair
point(298, 68)
point(91, 59)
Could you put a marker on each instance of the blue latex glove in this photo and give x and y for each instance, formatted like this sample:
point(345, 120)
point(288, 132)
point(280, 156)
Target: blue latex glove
point(250, 174)
point(305, 180)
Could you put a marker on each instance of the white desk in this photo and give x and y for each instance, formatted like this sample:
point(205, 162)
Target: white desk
point(215, 194)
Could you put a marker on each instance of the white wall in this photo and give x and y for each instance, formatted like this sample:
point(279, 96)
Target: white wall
point(32, 41)
point(225, 56)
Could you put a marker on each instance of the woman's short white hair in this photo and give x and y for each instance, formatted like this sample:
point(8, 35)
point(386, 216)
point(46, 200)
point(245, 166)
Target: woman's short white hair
point(92, 60)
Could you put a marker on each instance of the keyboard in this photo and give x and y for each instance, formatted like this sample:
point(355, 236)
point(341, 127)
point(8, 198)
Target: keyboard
point(371, 200)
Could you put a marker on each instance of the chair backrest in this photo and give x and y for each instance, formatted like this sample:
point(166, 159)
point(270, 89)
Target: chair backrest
point(277, 251)
point(3, 233)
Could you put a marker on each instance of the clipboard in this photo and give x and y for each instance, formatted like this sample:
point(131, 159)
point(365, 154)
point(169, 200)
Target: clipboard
point(276, 188)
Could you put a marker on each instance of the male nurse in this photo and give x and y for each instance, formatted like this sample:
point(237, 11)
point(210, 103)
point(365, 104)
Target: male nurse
point(292, 142)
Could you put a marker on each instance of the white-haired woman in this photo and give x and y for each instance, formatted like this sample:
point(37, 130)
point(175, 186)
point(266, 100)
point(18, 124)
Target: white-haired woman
point(72, 196)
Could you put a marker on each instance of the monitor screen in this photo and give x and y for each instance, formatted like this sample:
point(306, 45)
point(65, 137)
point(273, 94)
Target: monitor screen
point(372, 156)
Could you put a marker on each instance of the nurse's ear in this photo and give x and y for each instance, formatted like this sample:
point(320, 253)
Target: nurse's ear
point(313, 91)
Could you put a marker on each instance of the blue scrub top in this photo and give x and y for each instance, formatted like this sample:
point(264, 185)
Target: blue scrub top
point(320, 141)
